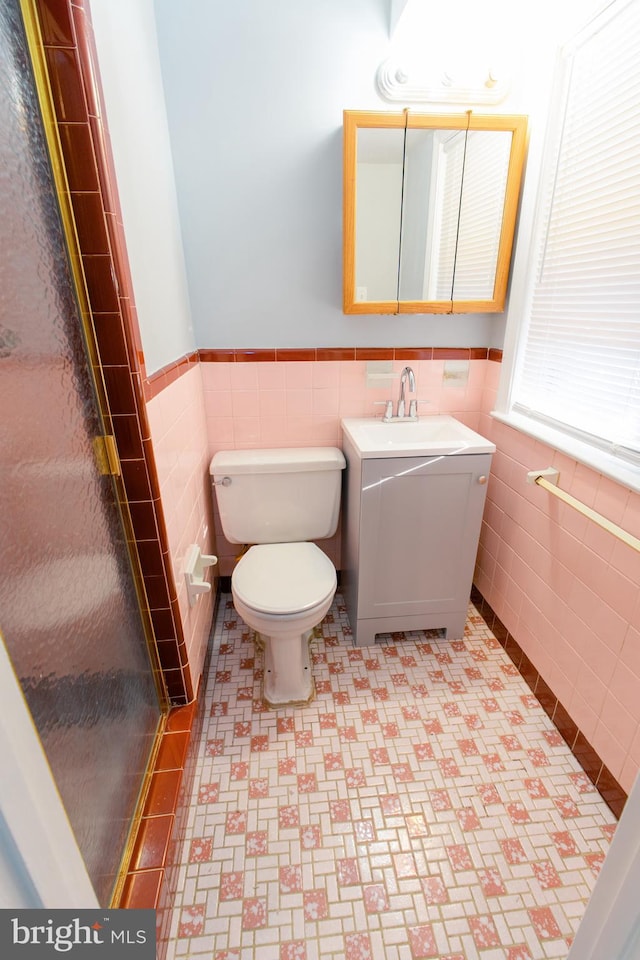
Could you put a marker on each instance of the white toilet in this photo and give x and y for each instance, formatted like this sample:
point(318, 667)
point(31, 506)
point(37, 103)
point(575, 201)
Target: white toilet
point(279, 500)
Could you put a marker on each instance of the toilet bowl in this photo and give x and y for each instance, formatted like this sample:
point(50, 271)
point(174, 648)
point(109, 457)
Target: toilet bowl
point(282, 591)
point(283, 586)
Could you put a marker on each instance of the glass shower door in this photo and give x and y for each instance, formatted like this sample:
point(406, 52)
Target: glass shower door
point(69, 611)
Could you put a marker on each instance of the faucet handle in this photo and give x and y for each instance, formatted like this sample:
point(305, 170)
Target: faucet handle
point(413, 407)
point(388, 408)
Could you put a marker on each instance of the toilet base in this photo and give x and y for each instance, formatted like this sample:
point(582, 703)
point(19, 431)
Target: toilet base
point(288, 679)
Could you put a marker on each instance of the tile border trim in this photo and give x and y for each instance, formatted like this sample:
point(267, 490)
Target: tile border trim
point(152, 878)
point(156, 382)
point(311, 354)
point(157, 828)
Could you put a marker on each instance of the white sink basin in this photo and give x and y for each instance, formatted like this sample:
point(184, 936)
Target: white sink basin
point(435, 435)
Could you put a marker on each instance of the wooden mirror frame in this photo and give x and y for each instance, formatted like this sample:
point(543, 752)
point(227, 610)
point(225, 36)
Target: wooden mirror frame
point(354, 120)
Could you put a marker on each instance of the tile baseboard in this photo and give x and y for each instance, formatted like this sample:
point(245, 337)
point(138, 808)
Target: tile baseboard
point(601, 777)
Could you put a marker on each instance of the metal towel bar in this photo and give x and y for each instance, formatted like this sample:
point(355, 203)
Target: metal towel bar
point(548, 479)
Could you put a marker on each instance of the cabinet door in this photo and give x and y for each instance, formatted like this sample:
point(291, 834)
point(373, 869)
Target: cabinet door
point(419, 528)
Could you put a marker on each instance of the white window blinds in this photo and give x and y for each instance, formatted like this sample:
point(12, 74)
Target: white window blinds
point(580, 367)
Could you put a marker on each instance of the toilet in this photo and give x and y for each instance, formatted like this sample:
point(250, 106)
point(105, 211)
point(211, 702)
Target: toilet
point(278, 501)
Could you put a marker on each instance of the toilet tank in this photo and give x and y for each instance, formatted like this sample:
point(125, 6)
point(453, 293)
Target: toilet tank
point(278, 495)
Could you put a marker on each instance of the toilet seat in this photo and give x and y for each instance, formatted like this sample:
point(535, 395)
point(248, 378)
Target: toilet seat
point(284, 579)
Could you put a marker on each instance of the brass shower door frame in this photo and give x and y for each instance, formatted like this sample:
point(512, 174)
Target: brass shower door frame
point(105, 446)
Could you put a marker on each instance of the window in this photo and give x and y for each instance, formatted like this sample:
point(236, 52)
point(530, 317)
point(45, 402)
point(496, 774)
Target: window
point(578, 364)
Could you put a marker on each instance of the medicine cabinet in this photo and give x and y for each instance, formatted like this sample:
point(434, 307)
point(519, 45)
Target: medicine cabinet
point(430, 205)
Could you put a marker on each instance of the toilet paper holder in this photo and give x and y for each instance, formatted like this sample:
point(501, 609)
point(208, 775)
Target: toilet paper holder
point(194, 568)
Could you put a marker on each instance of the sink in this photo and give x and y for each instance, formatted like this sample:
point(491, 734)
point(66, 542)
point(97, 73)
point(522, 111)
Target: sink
point(430, 435)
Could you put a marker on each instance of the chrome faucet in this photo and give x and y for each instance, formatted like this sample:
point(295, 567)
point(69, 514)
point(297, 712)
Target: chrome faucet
point(407, 374)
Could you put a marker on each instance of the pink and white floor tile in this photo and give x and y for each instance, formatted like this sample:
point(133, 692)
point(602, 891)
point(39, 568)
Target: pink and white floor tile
point(422, 806)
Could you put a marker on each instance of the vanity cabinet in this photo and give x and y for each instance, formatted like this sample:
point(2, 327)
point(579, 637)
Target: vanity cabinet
point(410, 537)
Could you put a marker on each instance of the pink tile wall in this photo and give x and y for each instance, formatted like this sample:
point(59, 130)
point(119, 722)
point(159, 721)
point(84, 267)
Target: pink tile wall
point(300, 403)
point(178, 431)
point(566, 590)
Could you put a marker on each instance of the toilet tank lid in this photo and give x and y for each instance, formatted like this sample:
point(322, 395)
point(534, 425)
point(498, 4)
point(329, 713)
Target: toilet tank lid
point(291, 459)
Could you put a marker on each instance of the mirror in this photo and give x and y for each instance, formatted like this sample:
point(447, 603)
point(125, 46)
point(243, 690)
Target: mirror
point(430, 204)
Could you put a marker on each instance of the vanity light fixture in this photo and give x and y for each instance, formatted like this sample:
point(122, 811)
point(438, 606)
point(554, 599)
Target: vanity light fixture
point(400, 82)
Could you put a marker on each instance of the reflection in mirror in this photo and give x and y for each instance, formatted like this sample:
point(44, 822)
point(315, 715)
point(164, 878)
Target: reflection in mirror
point(486, 166)
point(378, 213)
point(432, 185)
point(429, 211)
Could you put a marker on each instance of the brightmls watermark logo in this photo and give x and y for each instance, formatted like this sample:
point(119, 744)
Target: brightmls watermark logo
point(78, 934)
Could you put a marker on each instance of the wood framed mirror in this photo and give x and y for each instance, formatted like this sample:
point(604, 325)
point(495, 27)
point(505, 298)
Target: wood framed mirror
point(429, 210)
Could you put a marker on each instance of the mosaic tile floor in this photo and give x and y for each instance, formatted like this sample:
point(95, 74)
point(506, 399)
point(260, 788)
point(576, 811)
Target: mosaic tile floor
point(422, 806)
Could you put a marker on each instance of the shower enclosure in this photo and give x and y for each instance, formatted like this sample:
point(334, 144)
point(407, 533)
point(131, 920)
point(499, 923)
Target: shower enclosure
point(69, 610)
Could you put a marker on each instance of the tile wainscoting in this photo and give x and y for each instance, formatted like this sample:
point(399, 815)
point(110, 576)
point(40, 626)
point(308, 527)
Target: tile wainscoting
point(157, 381)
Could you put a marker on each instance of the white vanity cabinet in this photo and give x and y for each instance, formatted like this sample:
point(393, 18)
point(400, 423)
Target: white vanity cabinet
point(410, 535)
